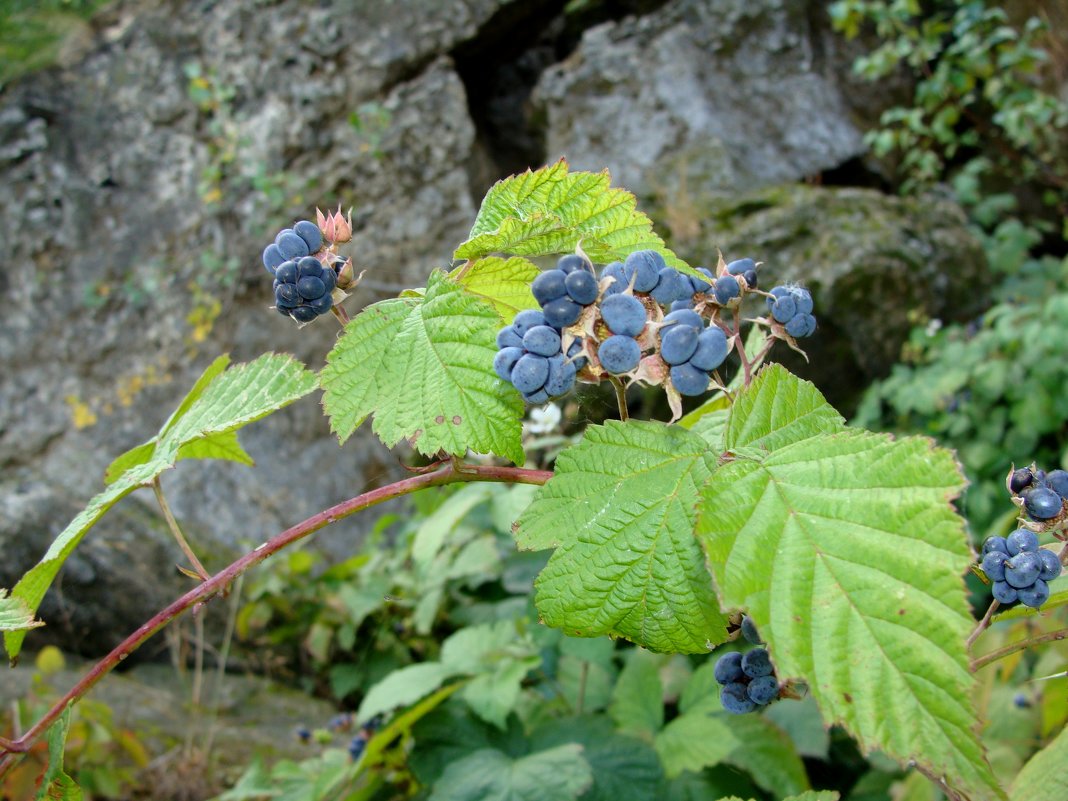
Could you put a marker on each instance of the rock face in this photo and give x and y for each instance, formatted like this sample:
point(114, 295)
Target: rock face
point(144, 176)
point(728, 95)
point(875, 264)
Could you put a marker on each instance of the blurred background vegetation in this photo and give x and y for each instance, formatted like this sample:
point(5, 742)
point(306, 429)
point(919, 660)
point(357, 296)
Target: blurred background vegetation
point(981, 120)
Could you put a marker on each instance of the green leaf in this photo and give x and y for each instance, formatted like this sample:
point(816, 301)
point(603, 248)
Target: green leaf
point(426, 374)
point(638, 699)
point(779, 410)
point(549, 211)
point(815, 795)
point(403, 687)
point(356, 369)
point(223, 445)
point(56, 785)
point(143, 453)
point(241, 395)
point(845, 550)
point(219, 404)
point(1043, 778)
point(15, 615)
point(492, 696)
point(765, 752)
point(500, 658)
point(557, 774)
point(133, 457)
point(624, 768)
point(620, 511)
point(503, 283)
point(694, 741)
point(31, 588)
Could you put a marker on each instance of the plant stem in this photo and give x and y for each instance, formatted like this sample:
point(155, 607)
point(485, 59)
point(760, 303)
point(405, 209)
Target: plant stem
point(448, 474)
point(621, 398)
point(580, 700)
point(1000, 653)
point(341, 315)
point(739, 346)
point(172, 524)
point(983, 624)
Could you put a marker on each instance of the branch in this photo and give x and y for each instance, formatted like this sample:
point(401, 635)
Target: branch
point(448, 474)
point(1000, 653)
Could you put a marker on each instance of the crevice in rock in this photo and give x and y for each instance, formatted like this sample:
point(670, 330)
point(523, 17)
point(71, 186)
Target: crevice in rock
point(501, 65)
point(856, 172)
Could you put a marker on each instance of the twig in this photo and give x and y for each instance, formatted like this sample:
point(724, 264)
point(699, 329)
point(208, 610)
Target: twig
point(621, 398)
point(1000, 653)
point(983, 624)
point(172, 524)
point(215, 585)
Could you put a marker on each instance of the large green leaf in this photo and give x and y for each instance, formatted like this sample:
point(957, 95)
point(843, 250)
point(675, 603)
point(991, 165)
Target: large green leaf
point(845, 550)
point(556, 774)
point(423, 366)
point(638, 697)
point(354, 378)
point(504, 283)
point(1044, 778)
point(695, 740)
point(620, 512)
point(624, 768)
point(550, 210)
point(765, 752)
point(219, 403)
point(15, 615)
point(404, 687)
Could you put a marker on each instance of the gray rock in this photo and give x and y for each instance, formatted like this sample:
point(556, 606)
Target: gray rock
point(140, 198)
point(710, 96)
point(876, 265)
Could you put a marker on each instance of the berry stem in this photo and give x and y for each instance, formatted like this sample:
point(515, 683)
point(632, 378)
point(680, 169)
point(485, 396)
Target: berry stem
point(176, 530)
point(1000, 653)
point(341, 315)
point(215, 585)
point(983, 624)
point(621, 398)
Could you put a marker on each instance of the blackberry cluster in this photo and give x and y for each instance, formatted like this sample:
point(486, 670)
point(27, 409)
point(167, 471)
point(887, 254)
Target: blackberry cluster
point(565, 291)
point(303, 285)
point(1042, 494)
point(531, 357)
point(791, 307)
point(342, 724)
point(748, 679)
point(1020, 570)
point(615, 325)
point(692, 350)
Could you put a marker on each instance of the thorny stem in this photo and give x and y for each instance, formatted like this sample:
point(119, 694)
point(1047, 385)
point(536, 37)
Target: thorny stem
point(621, 398)
point(1000, 653)
point(983, 624)
point(176, 530)
point(215, 585)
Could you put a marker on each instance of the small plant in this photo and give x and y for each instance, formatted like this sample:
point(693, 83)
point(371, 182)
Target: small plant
point(840, 545)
